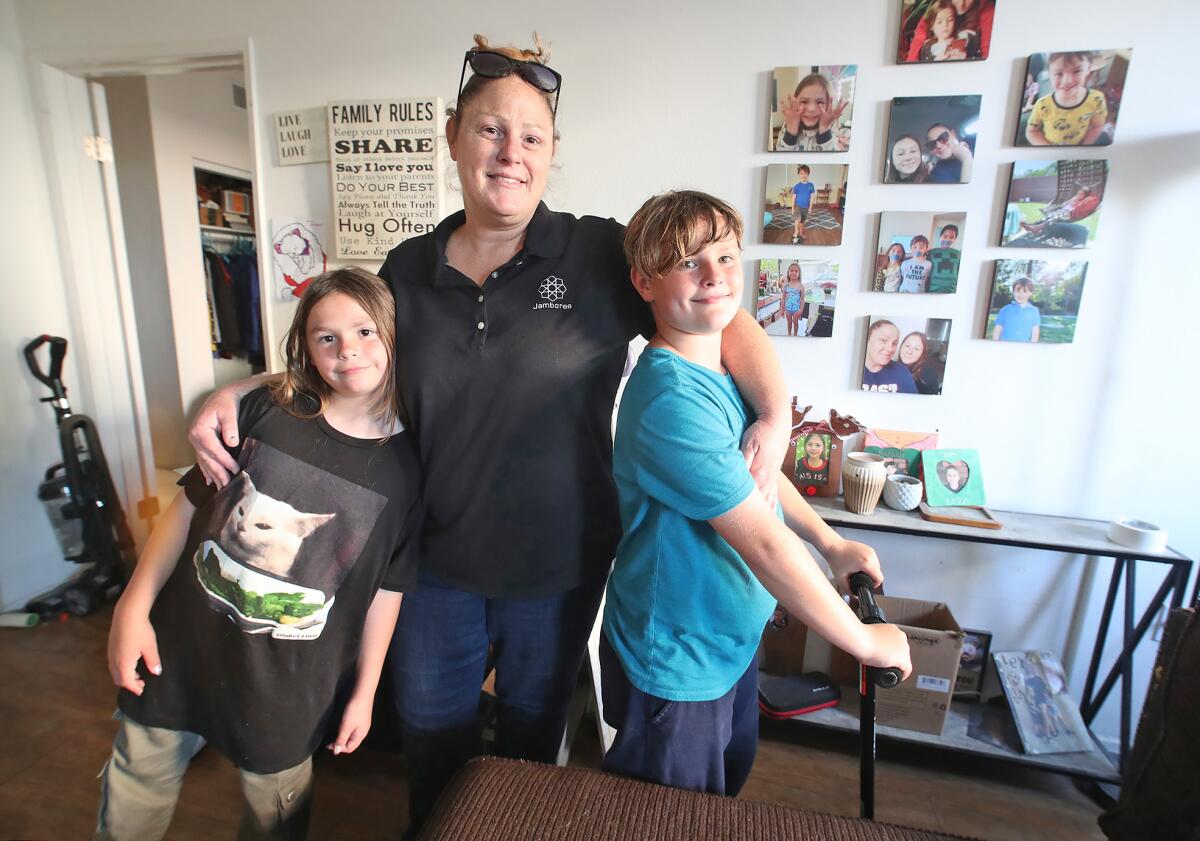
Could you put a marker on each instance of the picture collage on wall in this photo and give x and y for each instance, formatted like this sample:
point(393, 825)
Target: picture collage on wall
point(1065, 98)
point(797, 297)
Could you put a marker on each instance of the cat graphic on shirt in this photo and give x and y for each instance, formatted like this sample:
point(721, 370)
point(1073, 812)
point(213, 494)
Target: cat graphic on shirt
point(266, 533)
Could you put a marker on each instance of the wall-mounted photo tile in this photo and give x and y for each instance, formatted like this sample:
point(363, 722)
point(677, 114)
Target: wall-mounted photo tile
point(945, 30)
point(918, 251)
point(804, 204)
point(1054, 204)
point(1035, 301)
point(931, 139)
point(1072, 98)
point(797, 297)
point(811, 108)
point(905, 354)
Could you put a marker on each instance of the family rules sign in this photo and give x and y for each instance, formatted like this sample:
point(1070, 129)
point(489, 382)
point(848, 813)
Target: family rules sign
point(383, 161)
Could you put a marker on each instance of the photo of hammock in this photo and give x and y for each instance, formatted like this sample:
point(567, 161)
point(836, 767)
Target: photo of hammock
point(1054, 204)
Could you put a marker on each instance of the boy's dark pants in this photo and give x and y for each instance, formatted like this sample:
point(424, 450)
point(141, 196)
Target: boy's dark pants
point(698, 745)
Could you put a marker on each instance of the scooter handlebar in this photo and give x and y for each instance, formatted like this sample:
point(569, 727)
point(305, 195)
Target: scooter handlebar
point(871, 613)
point(58, 352)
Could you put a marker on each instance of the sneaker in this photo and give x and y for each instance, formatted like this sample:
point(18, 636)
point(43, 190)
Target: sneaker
point(796, 240)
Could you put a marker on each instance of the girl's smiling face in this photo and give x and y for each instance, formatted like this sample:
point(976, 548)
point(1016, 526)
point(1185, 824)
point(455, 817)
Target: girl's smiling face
point(814, 448)
point(912, 348)
point(943, 25)
point(812, 99)
point(906, 156)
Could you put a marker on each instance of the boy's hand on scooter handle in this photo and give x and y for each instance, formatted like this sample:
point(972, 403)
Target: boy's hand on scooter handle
point(132, 638)
point(846, 557)
point(887, 646)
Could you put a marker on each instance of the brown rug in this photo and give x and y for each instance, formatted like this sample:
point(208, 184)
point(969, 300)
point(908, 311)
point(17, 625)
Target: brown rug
point(505, 800)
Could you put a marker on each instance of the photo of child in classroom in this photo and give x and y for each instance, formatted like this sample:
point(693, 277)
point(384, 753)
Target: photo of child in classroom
point(1054, 204)
point(1035, 301)
point(945, 30)
point(811, 108)
point(803, 204)
point(797, 297)
point(918, 252)
point(1077, 99)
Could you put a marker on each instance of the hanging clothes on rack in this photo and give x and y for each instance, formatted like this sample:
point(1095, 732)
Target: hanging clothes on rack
point(231, 270)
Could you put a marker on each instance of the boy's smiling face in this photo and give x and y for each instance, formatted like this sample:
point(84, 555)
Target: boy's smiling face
point(1022, 294)
point(1069, 75)
point(701, 294)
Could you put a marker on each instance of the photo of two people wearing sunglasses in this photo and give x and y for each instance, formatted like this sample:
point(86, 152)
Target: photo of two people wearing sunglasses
point(931, 140)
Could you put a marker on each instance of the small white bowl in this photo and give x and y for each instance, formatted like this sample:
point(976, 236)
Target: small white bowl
point(902, 492)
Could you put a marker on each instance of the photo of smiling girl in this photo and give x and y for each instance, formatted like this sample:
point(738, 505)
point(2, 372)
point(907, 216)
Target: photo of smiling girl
point(811, 108)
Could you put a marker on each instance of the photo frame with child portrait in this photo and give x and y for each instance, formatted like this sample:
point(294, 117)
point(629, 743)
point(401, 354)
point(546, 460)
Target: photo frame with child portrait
point(797, 297)
point(931, 139)
point(953, 478)
point(812, 107)
point(918, 252)
point(1054, 204)
point(1072, 98)
point(900, 450)
point(814, 457)
point(1035, 301)
point(945, 30)
point(804, 204)
point(972, 664)
point(905, 354)
point(1047, 717)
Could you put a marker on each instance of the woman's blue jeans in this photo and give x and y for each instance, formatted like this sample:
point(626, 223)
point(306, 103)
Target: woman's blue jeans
point(437, 663)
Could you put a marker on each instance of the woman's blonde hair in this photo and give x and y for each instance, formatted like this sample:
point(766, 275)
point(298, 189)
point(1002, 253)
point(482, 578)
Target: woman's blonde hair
point(303, 392)
point(539, 54)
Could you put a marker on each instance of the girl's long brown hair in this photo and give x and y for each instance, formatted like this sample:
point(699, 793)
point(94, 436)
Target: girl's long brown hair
point(302, 392)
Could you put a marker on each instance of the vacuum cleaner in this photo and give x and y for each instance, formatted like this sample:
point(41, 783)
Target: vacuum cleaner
point(80, 501)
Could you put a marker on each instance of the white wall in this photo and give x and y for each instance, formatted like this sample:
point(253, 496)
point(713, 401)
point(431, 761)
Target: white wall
point(674, 94)
point(35, 302)
point(133, 148)
point(194, 122)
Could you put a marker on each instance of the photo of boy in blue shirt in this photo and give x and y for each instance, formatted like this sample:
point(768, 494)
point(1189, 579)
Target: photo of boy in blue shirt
point(1018, 321)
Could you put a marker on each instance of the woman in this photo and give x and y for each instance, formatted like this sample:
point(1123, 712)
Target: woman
point(880, 371)
point(913, 354)
point(906, 165)
point(512, 329)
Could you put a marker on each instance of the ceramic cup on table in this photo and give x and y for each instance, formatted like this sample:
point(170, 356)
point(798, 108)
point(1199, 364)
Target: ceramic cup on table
point(863, 478)
point(903, 492)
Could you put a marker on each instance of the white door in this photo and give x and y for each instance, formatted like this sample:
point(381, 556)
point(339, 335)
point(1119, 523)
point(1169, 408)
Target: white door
point(103, 341)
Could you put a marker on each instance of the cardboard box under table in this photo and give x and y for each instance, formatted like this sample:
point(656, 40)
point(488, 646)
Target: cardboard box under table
point(935, 641)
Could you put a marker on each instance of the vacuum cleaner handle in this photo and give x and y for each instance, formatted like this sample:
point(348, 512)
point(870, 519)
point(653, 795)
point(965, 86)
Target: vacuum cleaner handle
point(58, 352)
point(870, 613)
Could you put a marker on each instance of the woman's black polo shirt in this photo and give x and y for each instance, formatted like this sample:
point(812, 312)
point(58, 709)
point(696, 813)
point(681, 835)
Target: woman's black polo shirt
point(510, 389)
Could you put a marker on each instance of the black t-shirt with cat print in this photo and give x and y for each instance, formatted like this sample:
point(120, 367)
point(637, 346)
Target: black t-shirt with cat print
point(259, 625)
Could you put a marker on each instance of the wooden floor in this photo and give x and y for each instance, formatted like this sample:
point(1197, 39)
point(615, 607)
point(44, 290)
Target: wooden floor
point(56, 703)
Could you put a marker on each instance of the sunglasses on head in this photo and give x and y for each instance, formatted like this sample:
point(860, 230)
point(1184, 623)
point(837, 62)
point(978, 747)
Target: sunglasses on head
point(493, 65)
point(944, 137)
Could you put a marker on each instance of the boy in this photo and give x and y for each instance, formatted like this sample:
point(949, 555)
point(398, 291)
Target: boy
point(914, 272)
point(1018, 321)
point(1072, 114)
point(704, 557)
point(801, 199)
point(943, 276)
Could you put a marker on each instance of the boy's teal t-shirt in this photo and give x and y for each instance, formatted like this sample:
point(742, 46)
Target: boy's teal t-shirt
point(684, 613)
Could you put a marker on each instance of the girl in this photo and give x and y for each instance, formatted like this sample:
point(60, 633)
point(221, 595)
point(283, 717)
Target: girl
point(814, 453)
point(793, 298)
point(951, 40)
point(913, 351)
point(810, 117)
point(906, 164)
point(888, 278)
point(262, 613)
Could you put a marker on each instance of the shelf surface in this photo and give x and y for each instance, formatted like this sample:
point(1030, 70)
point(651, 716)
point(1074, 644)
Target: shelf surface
point(981, 729)
point(1038, 531)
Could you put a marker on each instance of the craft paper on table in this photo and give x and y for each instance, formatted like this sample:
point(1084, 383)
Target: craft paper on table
point(804, 204)
point(1035, 301)
point(811, 108)
point(1072, 98)
point(953, 477)
point(901, 451)
point(1047, 718)
point(797, 297)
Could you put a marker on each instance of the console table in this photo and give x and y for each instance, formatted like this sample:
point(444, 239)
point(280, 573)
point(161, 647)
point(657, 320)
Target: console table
point(1053, 534)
